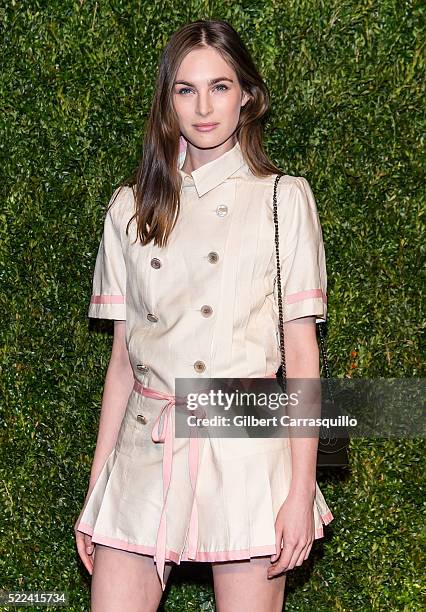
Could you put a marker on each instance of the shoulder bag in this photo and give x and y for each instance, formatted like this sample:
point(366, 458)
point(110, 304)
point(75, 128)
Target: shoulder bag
point(332, 451)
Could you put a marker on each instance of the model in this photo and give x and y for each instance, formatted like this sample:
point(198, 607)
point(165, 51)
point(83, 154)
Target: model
point(186, 269)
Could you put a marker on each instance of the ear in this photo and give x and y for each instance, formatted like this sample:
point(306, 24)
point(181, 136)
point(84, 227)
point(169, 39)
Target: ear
point(245, 99)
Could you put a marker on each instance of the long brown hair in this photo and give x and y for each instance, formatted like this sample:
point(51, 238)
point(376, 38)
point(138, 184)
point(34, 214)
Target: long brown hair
point(156, 182)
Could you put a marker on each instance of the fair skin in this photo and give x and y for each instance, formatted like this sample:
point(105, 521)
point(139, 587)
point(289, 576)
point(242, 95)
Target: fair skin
point(197, 101)
point(129, 581)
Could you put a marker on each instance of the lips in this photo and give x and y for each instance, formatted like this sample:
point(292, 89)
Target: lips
point(206, 127)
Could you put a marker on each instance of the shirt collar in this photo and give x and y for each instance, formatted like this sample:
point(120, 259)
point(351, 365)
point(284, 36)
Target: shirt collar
point(213, 173)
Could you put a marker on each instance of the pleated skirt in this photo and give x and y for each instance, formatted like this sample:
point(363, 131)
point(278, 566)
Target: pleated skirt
point(216, 504)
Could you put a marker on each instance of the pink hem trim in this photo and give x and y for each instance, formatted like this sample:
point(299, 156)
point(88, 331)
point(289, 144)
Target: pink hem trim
point(304, 295)
point(171, 555)
point(107, 299)
point(327, 518)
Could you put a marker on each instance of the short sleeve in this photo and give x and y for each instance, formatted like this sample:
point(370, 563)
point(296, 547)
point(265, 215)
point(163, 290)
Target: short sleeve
point(108, 300)
point(302, 255)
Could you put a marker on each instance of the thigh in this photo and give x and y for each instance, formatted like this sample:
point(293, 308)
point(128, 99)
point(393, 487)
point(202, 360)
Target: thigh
point(123, 580)
point(243, 586)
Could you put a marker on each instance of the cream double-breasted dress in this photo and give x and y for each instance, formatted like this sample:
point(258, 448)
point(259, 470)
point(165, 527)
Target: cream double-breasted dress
point(204, 306)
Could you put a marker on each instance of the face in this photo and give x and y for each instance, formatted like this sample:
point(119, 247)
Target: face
point(206, 90)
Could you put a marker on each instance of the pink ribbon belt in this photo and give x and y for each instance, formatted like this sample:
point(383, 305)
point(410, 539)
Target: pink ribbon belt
point(165, 435)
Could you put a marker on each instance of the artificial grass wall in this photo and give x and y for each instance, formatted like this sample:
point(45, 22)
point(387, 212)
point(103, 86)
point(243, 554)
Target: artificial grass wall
point(75, 86)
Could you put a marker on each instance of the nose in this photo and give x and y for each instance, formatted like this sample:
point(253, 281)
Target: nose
point(204, 105)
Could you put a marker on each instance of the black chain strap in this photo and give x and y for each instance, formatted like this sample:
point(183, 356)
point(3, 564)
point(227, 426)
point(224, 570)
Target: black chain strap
point(320, 326)
point(282, 374)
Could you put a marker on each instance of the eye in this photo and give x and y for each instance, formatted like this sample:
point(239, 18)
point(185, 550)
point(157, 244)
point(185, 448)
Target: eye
point(183, 89)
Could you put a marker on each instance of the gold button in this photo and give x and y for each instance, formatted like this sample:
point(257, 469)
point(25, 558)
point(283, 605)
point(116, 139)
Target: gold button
point(222, 210)
point(199, 366)
point(206, 310)
point(213, 257)
point(151, 317)
point(142, 419)
point(142, 367)
point(155, 263)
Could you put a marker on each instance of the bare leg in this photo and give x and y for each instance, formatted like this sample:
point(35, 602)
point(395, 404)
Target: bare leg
point(125, 581)
point(243, 586)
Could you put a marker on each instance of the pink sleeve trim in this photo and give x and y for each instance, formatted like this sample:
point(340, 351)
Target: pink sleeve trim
point(107, 299)
point(304, 295)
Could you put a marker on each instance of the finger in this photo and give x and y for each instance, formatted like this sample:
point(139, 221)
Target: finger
point(301, 557)
point(291, 553)
point(81, 547)
point(282, 563)
point(295, 556)
point(82, 554)
point(278, 541)
point(88, 544)
point(90, 550)
point(86, 559)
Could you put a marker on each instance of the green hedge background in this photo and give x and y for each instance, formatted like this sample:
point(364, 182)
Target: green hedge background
point(75, 87)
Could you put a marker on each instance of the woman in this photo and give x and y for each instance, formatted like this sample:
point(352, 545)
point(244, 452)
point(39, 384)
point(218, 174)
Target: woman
point(186, 268)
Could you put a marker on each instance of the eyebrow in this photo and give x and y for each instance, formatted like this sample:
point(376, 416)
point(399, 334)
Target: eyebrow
point(210, 82)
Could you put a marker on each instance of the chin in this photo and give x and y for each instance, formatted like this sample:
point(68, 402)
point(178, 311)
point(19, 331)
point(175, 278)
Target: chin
point(209, 140)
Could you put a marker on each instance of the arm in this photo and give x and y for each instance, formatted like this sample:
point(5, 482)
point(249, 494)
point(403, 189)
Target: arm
point(108, 301)
point(294, 525)
point(304, 273)
point(302, 361)
point(117, 388)
point(304, 289)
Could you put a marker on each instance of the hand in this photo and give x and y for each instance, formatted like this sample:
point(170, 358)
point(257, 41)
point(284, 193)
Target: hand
point(86, 548)
point(295, 526)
